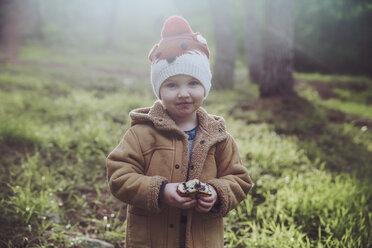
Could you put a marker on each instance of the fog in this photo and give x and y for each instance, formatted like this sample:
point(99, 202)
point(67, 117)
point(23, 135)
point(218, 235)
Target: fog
point(329, 36)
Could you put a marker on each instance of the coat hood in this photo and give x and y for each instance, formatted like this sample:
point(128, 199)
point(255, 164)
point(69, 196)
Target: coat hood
point(158, 116)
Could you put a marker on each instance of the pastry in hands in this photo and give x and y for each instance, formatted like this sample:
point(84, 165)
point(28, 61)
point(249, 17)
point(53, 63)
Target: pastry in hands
point(194, 189)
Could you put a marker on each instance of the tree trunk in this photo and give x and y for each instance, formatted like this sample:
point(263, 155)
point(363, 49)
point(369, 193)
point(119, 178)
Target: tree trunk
point(278, 49)
point(253, 40)
point(10, 29)
point(223, 72)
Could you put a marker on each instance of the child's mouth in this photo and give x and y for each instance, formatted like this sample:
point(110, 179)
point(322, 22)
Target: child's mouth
point(184, 104)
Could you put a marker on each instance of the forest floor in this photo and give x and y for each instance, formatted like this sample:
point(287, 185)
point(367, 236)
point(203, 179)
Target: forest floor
point(310, 156)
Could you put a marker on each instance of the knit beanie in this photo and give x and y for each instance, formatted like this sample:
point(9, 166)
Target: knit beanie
point(180, 51)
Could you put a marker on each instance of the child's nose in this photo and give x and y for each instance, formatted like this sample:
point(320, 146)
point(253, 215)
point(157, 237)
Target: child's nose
point(183, 92)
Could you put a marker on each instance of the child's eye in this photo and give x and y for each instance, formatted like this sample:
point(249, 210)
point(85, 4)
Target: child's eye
point(194, 83)
point(170, 85)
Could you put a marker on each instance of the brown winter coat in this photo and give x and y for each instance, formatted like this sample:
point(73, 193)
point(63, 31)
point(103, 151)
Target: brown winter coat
point(154, 149)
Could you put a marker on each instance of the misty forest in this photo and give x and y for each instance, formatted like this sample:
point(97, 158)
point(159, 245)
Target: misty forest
point(292, 79)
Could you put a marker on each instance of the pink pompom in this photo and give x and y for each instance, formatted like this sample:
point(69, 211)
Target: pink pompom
point(175, 25)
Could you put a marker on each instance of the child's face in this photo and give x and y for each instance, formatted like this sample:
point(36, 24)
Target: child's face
point(181, 95)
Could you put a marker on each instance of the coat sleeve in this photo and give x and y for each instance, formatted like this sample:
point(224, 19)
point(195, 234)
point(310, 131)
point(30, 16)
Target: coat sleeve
point(126, 175)
point(233, 182)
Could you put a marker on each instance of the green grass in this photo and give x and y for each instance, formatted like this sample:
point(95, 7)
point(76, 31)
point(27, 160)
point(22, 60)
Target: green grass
point(329, 78)
point(350, 108)
point(84, 58)
point(55, 131)
point(310, 158)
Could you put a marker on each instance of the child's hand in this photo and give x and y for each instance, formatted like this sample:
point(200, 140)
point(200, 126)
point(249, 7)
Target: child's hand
point(205, 204)
point(172, 198)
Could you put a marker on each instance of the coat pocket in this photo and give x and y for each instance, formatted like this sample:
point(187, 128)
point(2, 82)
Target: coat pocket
point(137, 231)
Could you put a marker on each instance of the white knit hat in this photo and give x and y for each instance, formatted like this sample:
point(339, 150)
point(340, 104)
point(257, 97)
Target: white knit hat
point(180, 51)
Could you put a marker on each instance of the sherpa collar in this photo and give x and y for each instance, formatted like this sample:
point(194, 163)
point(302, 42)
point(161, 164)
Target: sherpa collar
point(214, 126)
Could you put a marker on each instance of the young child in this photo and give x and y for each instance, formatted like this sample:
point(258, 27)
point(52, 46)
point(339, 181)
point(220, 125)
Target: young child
point(172, 142)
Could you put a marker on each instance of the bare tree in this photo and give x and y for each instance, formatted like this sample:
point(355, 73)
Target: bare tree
point(253, 40)
point(223, 73)
point(277, 79)
point(10, 28)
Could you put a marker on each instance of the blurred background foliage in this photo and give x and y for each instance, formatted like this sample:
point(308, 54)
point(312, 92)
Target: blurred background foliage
point(331, 36)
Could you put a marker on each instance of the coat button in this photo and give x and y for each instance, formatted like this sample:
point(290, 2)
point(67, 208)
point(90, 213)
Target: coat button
point(191, 167)
point(171, 225)
point(202, 142)
point(177, 166)
point(220, 130)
